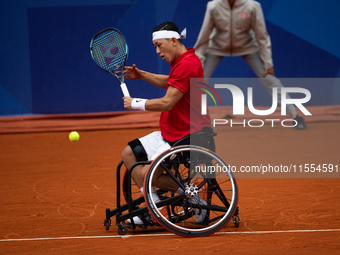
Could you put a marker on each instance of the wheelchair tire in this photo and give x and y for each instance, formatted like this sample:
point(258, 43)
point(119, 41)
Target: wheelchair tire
point(205, 201)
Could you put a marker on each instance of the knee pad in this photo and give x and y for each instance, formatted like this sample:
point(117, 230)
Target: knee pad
point(138, 150)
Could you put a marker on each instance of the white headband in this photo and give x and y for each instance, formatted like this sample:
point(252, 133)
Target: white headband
point(166, 34)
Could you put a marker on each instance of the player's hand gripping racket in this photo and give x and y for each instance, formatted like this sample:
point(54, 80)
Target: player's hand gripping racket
point(110, 51)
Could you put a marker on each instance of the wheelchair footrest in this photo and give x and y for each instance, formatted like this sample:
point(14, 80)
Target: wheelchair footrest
point(147, 222)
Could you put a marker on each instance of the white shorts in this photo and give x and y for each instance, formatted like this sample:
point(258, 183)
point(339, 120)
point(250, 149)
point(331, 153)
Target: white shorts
point(154, 144)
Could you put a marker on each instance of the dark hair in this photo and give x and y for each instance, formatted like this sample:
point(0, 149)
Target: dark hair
point(168, 25)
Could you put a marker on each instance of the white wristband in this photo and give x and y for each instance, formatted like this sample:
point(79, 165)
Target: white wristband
point(138, 104)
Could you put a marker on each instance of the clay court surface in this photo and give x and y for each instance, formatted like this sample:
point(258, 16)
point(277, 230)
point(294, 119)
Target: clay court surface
point(54, 194)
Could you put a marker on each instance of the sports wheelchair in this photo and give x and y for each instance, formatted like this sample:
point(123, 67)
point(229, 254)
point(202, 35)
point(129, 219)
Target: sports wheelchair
point(206, 185)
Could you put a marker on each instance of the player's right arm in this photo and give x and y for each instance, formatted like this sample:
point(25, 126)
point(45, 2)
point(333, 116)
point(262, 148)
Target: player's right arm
point(166, 103)
point(159, 80)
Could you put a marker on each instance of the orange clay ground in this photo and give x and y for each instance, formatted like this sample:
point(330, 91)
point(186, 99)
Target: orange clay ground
point(54, 194)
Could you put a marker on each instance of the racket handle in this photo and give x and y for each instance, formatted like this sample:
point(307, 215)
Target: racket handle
point(124, 89)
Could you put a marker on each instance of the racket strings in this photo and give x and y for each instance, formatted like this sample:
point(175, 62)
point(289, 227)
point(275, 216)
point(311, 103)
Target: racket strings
point(109, 50)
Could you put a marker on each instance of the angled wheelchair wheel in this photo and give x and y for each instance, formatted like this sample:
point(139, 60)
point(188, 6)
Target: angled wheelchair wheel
point(197, 191)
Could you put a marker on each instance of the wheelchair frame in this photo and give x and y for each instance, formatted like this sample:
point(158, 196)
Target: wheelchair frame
point(132, 205)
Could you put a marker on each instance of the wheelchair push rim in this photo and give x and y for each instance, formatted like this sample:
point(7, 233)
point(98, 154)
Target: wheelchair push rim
point(219, 209)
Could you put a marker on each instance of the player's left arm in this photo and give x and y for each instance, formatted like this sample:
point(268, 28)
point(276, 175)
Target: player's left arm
point(166, 103)
point(132, 72)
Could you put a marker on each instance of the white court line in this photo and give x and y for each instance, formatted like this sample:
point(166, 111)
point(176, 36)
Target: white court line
point(81, 237)
point(169, 234)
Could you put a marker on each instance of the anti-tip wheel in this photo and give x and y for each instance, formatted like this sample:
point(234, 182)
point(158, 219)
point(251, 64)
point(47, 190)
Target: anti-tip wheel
point(236, 221)
point(122, 230)
point(107, 224)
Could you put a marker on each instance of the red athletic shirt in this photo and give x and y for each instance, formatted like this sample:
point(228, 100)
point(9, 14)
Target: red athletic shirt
point(185, 117)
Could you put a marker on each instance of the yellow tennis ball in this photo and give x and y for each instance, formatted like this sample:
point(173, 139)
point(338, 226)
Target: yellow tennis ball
point(73, 136)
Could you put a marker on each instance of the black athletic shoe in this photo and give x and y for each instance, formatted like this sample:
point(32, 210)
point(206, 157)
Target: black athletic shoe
point(300, 122)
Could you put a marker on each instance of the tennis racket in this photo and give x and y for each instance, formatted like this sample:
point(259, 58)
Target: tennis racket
point(110, 51)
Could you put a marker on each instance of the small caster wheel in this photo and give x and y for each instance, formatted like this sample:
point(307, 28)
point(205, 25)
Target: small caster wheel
point(107, 224)
point(236, 221)
point(122, 230)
